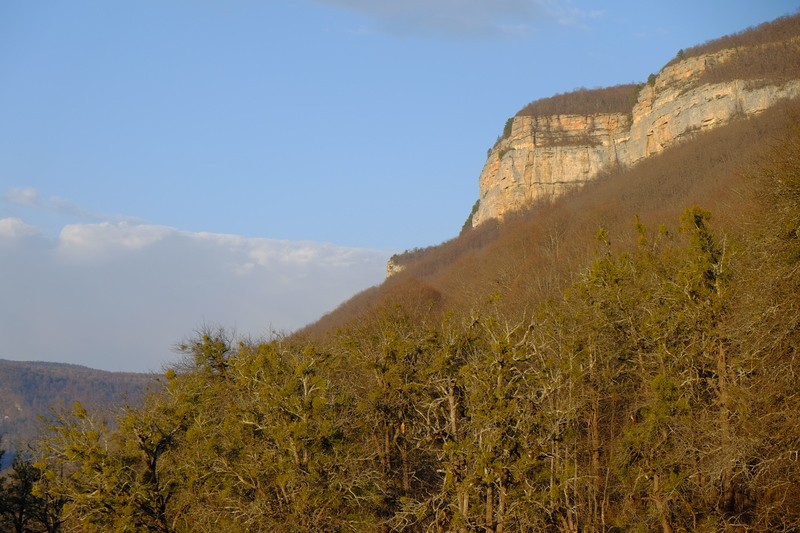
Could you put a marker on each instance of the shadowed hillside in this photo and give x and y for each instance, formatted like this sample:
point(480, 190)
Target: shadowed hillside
point(28, 390)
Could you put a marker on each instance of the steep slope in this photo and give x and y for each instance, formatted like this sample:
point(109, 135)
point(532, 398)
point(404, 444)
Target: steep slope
point(544, 154)
point(529, 256)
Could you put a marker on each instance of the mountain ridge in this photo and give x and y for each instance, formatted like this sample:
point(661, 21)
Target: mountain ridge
point(543, 154)
point(30, 389)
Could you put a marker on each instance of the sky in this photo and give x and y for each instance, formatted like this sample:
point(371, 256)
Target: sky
point(170, 166)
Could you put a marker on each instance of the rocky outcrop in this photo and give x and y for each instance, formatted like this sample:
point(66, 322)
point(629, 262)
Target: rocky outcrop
point(544, 156)
point(393, 266)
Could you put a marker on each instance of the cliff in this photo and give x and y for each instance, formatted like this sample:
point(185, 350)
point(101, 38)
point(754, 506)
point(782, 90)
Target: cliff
point(542, 157)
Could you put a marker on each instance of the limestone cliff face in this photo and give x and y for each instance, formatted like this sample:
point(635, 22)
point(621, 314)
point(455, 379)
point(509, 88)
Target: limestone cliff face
point(543, 157)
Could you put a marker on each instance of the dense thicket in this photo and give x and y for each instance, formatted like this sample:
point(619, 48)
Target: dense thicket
point(654, 388)
point(24, 508)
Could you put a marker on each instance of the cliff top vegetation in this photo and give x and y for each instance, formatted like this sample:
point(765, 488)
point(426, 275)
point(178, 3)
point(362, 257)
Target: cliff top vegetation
point(783, 29)
point(769, 52)
point(616, 99)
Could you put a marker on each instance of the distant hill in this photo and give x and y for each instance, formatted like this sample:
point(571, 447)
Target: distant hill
point(29, 390)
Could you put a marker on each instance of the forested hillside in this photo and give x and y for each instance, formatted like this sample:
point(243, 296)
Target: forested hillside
point(29, 390)
point(648, 383)
point(623, 359)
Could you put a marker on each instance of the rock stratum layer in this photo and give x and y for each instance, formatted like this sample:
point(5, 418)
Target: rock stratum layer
point(545, 156)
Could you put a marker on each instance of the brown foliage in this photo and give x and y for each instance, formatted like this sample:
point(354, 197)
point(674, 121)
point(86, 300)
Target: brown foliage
point(781, 30)
point(779, 63)
point(616, 99)
point(766, 54)
point(769, 53)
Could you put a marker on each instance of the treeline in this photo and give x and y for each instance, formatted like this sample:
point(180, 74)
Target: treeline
point(409, 256)
point(781, 30)
point(656, 391)
point(768, 53)
point(616, 99)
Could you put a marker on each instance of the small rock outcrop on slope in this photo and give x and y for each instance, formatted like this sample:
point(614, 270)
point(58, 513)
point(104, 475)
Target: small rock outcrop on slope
point(542, 157)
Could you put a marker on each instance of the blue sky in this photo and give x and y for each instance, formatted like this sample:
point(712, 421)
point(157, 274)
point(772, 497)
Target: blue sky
point(254, 163)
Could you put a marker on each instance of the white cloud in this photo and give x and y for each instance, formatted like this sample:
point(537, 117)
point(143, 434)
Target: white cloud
point(119, 295)
point(14, 228)
point(464, 18)
point(111, 236)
